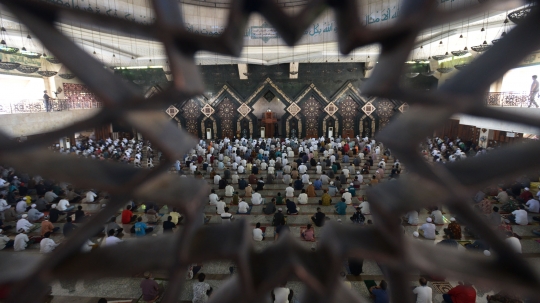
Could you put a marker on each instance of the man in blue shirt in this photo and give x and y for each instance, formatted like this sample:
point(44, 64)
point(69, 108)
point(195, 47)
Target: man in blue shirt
point(298, 185)
point(352, 190)
point(341, 207)
point(141, 229)
point(317, 184)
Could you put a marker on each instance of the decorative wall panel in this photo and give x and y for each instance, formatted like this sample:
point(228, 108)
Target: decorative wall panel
point(227, 113)
point(191, 112)
point(312, 110)
point(385, 110)
point(348, 109)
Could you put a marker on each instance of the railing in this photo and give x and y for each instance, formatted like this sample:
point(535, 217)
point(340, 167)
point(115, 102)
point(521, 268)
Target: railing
point(38, 105)
point(507, 99)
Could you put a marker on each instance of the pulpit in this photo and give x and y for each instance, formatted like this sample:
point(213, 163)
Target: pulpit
point(269, 122)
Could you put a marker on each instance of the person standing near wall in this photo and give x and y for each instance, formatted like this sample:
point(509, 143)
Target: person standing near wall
point(47, 102)
point(534, 92)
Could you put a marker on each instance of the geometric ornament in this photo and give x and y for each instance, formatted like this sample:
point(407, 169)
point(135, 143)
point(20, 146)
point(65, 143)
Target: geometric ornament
point(404, 107)
point(368, 109)
point(172, 111)
point(331, 109)
point(293, 109)
point(244, 110)
point(386, 109)
point(207, 110)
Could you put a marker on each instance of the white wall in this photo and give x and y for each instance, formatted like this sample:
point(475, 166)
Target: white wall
point(18, 88)
point(503, 125)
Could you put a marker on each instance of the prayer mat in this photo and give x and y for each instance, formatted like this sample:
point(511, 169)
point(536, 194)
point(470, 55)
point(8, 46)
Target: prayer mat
point(537, 240)
point(463, 243)
point(442, 287)
point(370, 283)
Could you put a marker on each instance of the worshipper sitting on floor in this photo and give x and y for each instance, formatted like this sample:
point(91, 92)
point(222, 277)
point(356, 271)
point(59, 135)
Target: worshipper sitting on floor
point(454, 230)
point(424, 293)
point(332, 189)
point(256, 198)
point(63, 205)
point(201, 290)
point(150, 288)
point(128, 216)
point(525, 196)
point(513, 242)
point(502, 196)
point(437, 216)
point(412, 217)
point(448, 243)
point(140, 228)
point(258, 234)
point(358, 217)
point(114, 226)
point(5, 227)
point(260, 184)
point(270, 208)
point(532, 206)
point(319, 218)
point(379, 293)
point(519, 216)
point(111, 239)
point(5, 241)
point(34, 214)
point(341, 207)
point(292, 209)
point(23, 223)
point(69, 227)
point(47, 244)
point(495, 217)
point(463, 293)
point(244, 208)
point(278, 218)
point(11, 214)
point(152, 215)
point(80, 215)
point(427, 230)
point(248, 191)
point(21, 241)
point(226, 216)
point(168, 225)
point(280, 230)
point(309, 233)
point(303, 197)
point(220, 206)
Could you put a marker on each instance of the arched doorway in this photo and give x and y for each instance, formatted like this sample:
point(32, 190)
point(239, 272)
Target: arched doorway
point(367, 130)
point(293, 128)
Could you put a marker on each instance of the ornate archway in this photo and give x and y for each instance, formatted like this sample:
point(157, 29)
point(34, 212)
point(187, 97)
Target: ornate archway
point(208, 126)
point(191, 112)
point(312, 110)
point(226, 111)
point(348, 109)
point(293, 127)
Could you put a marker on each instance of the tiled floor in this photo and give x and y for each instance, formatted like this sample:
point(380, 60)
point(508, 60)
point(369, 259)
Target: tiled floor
point(218, 271)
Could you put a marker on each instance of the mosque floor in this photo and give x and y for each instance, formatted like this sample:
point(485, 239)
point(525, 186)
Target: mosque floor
point(218, 272)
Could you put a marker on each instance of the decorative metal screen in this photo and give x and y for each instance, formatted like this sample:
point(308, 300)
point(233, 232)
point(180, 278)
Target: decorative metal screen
point(259, 272)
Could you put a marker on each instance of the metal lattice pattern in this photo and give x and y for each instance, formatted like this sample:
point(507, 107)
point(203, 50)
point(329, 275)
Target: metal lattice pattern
point(259, 272)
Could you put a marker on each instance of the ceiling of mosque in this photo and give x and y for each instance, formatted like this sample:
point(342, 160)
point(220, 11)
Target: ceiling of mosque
point(262, 44)
point(226, 3)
